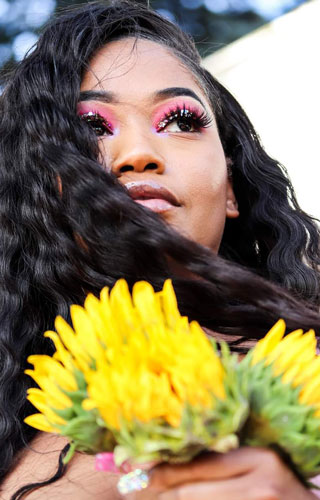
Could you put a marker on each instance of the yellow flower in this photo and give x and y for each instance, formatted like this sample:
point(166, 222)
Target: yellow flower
point(155, 361)
point(140, 359)
point(295, 358)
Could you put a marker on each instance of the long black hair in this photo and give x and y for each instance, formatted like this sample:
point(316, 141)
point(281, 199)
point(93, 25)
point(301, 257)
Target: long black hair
point(56, 246)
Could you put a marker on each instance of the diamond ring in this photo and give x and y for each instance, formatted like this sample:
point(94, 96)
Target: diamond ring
point(136, 480)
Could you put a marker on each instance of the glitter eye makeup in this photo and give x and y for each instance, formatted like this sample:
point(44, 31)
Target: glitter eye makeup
point(185, 118)
point(98, 120)
point(99, 124)
point(174, 118)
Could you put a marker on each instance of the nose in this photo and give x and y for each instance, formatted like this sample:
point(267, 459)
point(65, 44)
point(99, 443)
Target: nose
point(136, 154)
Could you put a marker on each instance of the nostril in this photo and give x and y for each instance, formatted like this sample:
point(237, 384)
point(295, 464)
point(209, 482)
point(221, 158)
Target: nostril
point(131, 168)
point(126, 168)
point(151, 166)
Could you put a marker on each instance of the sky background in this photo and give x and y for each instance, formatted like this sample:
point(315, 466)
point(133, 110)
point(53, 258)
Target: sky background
point(213, 23)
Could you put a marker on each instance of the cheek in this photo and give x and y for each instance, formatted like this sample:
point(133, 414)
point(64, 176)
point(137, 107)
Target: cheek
point(205, 190)
point(105, 156)
point(207, 179)
point(206, 197)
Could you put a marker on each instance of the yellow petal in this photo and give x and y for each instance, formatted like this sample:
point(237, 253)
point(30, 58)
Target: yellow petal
point(269, 342)
point(310, 372)
point(89, 404)
point(40, 422)
point(85, 332)
point(46, 365)
point(61, 353)
point(169, 304)
point(57, 398)
point(289, 375)
point(94, 309)
point(284, 346)
point(122, 308)
point(38, 399)
point(303, 346)
point(310, 393)
point(147, 306)
point(110, 335)
point(72, 344)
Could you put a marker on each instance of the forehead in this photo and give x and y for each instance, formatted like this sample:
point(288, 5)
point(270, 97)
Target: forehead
point(137, 67)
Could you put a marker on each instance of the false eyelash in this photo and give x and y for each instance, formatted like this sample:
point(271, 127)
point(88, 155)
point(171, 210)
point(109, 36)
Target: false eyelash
point(199, 121)
point(95, 118)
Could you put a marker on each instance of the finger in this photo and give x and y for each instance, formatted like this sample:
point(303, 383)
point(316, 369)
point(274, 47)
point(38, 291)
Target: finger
point(232, 489)
point(211, 466)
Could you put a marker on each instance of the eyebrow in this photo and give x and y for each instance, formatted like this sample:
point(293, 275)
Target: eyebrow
point(98, 95)
point(176, 92)
point(109, 97)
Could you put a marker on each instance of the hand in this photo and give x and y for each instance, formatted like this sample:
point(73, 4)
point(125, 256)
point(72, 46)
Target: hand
point(242, 474)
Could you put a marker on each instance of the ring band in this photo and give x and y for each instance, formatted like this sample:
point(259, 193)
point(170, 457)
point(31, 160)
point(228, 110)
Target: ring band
point(136, 480)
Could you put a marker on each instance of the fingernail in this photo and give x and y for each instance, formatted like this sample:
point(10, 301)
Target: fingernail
point(105, 462)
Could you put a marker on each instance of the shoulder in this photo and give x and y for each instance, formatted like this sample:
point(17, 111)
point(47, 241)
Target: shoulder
point(39, 462)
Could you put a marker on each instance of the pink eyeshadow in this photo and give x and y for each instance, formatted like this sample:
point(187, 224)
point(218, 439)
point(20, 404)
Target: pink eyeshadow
point(168, 108)
point(84, 108)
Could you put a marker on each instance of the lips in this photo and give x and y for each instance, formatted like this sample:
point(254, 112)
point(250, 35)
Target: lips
point(152, 195)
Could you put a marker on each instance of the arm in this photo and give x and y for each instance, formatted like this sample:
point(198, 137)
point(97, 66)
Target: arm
point(39, 462)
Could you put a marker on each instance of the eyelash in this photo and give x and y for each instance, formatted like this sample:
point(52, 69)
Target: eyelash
point(190, 118)
point(99, 124)
point(183, 115)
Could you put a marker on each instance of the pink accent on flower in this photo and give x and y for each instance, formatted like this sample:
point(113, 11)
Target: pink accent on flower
point(105, 462)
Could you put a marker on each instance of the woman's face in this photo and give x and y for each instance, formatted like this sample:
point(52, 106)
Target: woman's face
point(157, 133)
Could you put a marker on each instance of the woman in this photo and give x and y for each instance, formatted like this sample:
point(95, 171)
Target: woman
point(122, 157)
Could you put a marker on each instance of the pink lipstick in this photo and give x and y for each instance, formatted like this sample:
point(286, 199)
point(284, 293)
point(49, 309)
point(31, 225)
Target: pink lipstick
point(152, 195)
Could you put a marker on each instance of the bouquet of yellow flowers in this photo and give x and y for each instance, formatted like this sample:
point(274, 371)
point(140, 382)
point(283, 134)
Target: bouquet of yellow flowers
point(135, 378)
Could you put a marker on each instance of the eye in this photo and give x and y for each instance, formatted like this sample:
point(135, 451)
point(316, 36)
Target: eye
point(183, 120)
point(98, 123)
point(180, 124)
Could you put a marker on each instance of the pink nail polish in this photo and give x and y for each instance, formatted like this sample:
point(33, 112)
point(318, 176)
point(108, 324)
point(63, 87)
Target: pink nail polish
point(105, 462)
